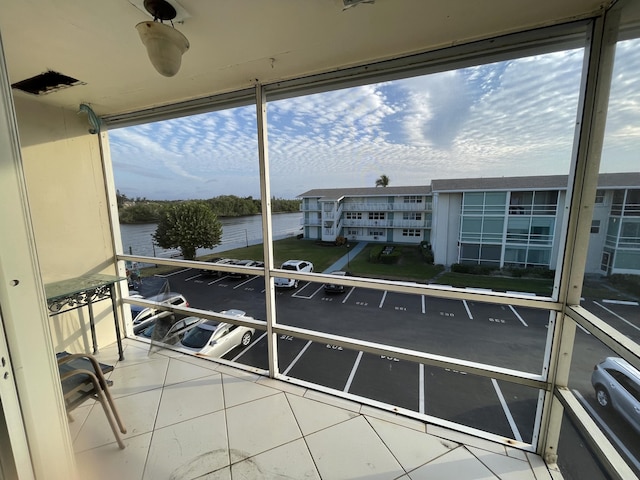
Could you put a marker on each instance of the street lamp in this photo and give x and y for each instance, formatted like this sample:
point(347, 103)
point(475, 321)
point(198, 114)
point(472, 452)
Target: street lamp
point(348, 259)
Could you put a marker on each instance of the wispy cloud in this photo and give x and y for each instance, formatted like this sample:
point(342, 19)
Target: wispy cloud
point(510, 118)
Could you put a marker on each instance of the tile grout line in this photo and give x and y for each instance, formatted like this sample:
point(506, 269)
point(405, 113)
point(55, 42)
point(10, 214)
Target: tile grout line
point(366, 419)
point(226, 421)
point(303, 436)
point(155, 420)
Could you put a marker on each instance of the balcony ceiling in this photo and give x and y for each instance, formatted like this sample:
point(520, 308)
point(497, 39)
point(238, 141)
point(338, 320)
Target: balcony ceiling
point(235, 42)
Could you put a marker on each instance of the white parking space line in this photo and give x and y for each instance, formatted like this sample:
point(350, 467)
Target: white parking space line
point(234, 359)
point(507, 412)
point(423, 305)
point(245, 282)
point(348, 294)
point(421, 388)
point(382, 301)
point(218, 280)
point(518, 315)
point(616, 315)
point(353, 373)
point(621, 302)
point(602, 424)
point(173, 273)
point(582, 328)
point(295, 360)
point(191, 278)
point(466, 307)
point(302, 296)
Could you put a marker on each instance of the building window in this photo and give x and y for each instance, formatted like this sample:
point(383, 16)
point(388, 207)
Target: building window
point(376, 215)
point(376, 233)
point(352, 233)
point(412, 199)
point(595, 226)
point(353, 215)
point(599, 196)
point(412, 216)
point(411, 232)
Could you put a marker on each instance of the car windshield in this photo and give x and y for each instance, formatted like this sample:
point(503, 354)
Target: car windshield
point(197, 337)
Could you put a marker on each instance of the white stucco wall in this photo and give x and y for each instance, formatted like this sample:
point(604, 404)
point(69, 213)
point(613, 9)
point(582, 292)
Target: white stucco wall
point(70, 212)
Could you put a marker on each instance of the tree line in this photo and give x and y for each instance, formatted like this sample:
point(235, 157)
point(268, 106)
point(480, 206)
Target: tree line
point(141, 210)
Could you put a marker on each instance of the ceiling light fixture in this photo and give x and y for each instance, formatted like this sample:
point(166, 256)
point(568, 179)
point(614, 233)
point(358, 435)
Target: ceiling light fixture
point(165, 45)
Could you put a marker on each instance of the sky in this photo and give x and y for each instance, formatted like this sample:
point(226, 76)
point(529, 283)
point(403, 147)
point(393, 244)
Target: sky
point(503, 119)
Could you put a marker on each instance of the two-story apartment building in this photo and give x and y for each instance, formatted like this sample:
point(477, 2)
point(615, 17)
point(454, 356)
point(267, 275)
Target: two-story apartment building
point(500, 221)
point(389, 214)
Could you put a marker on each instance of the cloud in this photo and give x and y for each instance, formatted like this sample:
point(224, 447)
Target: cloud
point(515, 117)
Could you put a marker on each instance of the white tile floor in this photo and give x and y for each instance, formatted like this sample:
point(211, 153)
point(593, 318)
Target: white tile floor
point(190, 418)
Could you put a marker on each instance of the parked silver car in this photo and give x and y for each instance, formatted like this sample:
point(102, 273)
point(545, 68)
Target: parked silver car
point(617, 385)
point(174, 333)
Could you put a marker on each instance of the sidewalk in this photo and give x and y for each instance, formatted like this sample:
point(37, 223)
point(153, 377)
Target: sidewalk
point(344, 260)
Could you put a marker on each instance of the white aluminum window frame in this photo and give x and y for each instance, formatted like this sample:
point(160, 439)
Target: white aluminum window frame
point(552, 380)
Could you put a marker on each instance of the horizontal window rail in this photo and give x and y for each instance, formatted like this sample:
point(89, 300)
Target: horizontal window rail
point(608, 335)
point(475, 368)
point(440, 291)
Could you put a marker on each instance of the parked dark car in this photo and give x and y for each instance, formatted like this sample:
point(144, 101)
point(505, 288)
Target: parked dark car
point(332, 287)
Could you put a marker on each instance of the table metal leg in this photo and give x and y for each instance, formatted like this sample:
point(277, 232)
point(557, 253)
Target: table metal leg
point(116, 320)
point(93, 328)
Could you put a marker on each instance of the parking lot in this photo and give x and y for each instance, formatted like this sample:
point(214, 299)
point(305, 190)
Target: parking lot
point(500, 335)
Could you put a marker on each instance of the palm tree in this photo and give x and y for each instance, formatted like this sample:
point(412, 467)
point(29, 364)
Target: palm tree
point(383, 181)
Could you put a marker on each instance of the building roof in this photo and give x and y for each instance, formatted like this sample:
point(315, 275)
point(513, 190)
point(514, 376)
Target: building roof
point(540, 182)
point(330, 194)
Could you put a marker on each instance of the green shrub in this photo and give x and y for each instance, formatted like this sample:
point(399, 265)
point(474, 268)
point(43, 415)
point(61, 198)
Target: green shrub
point(392, 257)
point(472, 269)
point(375, 252)
point(461, 268)
point(625, 282)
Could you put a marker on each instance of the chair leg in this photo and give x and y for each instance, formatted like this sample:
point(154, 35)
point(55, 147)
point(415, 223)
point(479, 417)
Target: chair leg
point(110, 419)
point(112, 404)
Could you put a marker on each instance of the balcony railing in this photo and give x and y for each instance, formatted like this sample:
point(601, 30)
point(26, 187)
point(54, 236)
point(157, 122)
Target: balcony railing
point(426, 223)
point(387, 207)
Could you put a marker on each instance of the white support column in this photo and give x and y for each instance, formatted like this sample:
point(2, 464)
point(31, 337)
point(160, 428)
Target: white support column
point(267, 230)
point(30, 387)
point(583, 180)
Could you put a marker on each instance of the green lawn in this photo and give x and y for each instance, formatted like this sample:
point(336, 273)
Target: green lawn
point(293, 249)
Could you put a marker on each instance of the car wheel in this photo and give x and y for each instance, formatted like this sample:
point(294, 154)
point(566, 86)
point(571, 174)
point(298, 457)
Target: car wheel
point(602, 396)
point(246, 339)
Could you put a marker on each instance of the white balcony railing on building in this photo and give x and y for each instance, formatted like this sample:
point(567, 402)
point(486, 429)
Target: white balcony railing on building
point(387, 207)
point(401, 223)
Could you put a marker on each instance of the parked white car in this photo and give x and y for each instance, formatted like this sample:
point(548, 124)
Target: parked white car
point(215, 339)
point(294, 266)
point(143, 317)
